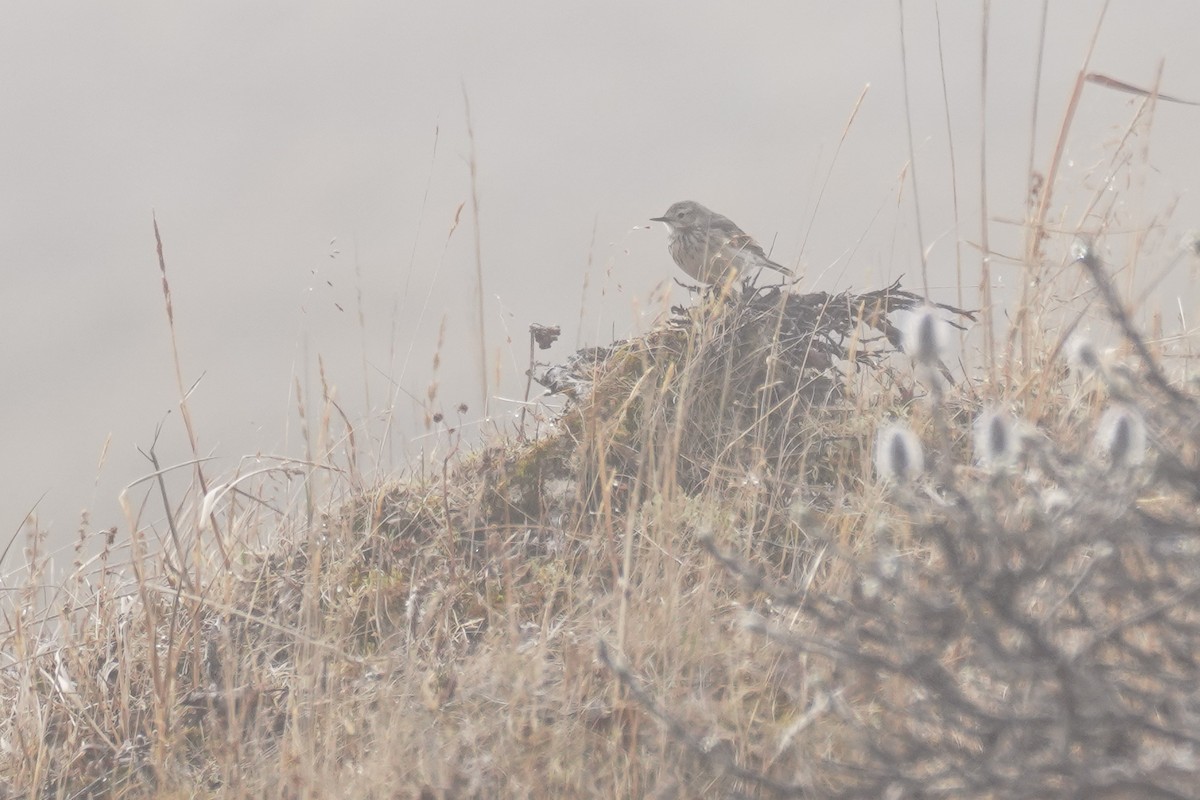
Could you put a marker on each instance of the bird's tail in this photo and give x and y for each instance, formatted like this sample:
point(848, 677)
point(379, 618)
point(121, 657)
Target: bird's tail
point(780, 268)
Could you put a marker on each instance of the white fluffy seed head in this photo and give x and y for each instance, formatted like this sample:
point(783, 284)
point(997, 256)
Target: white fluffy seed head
point(1084, 249)
point(898, 454)
point(1121, 436)
point(997, 441)
point(1082, 356)
point(926, 337)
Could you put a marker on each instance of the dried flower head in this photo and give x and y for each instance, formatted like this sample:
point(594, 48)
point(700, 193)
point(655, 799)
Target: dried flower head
point(926, 337)
point(997, 442)
point(1082, 356)
point(1121, 436)
point(898, 454)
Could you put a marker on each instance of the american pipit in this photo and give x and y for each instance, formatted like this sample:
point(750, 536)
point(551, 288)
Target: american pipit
point(707, 245)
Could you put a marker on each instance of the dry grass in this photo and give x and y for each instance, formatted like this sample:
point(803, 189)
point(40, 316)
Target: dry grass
point(665, 595)
point(691, 583)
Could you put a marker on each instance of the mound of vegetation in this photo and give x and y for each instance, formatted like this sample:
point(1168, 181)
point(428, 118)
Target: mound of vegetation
point(757, 553)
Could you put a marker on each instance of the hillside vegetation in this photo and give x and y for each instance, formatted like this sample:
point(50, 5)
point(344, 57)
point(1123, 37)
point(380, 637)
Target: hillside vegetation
point(758, 552)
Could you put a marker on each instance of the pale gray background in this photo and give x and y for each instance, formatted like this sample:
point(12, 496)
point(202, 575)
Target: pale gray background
point(286, 149)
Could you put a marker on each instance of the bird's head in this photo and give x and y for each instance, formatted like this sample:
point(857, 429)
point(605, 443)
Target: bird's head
point(684, 215)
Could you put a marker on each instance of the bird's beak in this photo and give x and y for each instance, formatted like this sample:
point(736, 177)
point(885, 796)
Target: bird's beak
point(658, 219)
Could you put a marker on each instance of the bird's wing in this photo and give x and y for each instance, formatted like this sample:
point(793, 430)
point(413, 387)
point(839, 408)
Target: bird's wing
point(743, 243)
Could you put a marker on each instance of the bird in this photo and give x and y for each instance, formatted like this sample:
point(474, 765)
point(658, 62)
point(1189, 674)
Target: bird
point(708, 246)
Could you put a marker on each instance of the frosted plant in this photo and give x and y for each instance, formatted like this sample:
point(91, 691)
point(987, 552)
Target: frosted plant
point(997, 442)
point(1121, 436)
point(1082, 356)
point(926, 337)
point(898, 454)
